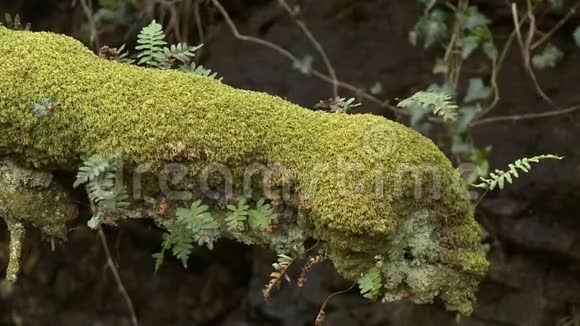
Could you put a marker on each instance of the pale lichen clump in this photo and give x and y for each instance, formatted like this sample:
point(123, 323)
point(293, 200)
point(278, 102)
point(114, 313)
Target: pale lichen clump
point(355, 176)
point(31, 197)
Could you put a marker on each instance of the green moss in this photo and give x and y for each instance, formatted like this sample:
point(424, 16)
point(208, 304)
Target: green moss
point(157, 117)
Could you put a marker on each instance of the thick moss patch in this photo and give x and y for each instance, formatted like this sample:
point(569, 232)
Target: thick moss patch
point(356, 177)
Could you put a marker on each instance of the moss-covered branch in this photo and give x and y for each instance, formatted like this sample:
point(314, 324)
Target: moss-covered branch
point(362, 185)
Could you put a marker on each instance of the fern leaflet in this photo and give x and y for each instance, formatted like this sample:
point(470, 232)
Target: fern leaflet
point(371, 283)
point(237, 216)
point(498, 178)
point(437, 102)
point(181, 52)
point(203, 227)
point(178, 239)
point(151, 41)
point(93, 167)
point(199, 70)
point(280, 269)
point(260, 217)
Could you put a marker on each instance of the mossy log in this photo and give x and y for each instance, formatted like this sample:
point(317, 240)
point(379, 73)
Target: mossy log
point(363, 185)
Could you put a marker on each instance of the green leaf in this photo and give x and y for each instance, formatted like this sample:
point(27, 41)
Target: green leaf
point(432, 28)
point(548, 57)
point(577, 36)
point(370, 284)
point(237, 216)
point(436, 102)
point(376, 88)
point(476, 90)
point(260, 217)
point(469, 44)
point(203, 227)
point(490, 50)
point(151, 40)
point(498, 177)
point(304, 65)
point(466, 116)
point(472, 19)
point(440, 67)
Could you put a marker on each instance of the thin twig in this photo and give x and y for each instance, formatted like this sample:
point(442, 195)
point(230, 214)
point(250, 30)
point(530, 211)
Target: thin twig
point(556, 27)
point(496, 69)
point(525, 47)
point(287, 54)
point(113, 269)
point(317, 45)
point(322, 312)
point(117, 277)
point(88, 10)
point(527, 116)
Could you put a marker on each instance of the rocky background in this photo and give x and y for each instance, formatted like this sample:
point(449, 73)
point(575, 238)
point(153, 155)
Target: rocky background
point(534, 225)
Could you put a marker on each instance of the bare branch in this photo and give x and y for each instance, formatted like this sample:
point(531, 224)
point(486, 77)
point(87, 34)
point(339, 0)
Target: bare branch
point(317, 45)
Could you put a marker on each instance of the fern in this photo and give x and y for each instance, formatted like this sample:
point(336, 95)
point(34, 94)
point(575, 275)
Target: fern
point(499, 177)
point(371, 283)
point(437, 102)
point(238, 216)
point(151, 41)
point(178, 239)
point(199, 70)
point(337, 104)
point(92, 168)
point(204, 229)
point(260, 217)
point(103, 188)
point(280, 269)
point(181, 52)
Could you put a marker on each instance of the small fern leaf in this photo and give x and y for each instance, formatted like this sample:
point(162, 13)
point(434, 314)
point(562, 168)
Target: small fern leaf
point(371, 283)
point(437, 102)
point(151, 42)
point(498, 178)
point(92, 168)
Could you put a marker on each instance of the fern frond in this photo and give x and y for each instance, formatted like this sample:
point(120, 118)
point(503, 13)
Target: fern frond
point(371, 283)
point(437, 102)
point(260, 217)
point(180, 241)
point(280, 269)
point(199, 70)
point(93, 167)
point(151, 41)
point(237, 216)
point(197, 219)
point(313, 260)
point(181, 52)
point(498, 178)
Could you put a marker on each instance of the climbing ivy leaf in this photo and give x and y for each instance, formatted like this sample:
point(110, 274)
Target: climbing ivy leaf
point(472, 19)
point(548, 57)
point(476, 90)
point(432, 28)
point(577, 36)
